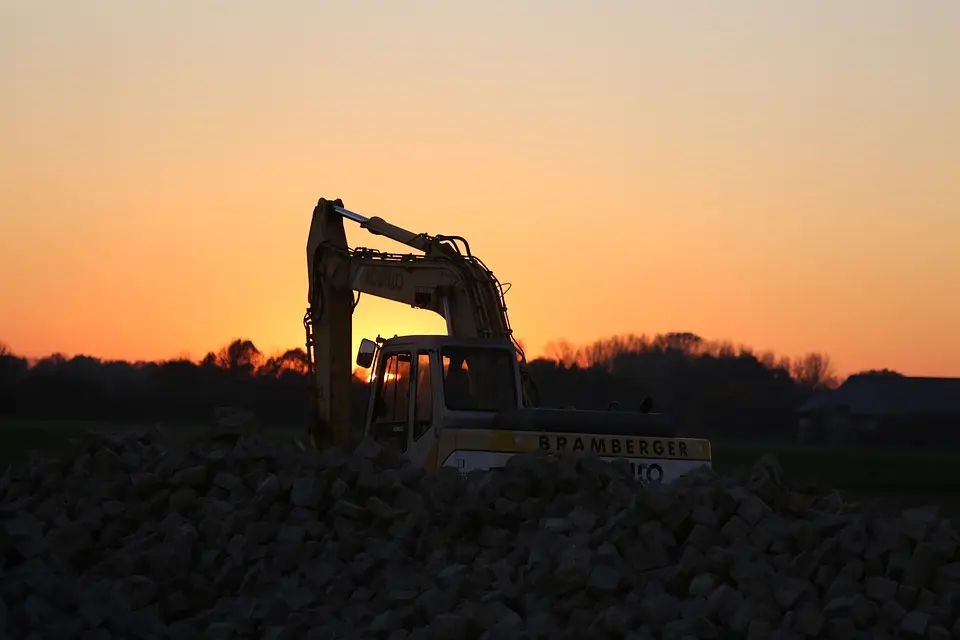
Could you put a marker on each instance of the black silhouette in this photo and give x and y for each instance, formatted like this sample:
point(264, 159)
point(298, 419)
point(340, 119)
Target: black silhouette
point(715, 389)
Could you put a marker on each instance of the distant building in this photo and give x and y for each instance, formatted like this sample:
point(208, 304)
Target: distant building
point(884, 409)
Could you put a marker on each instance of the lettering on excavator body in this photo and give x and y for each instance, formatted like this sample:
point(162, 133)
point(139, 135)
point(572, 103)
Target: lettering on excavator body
point(384, 278)
point(652, 473)
point(642, 447)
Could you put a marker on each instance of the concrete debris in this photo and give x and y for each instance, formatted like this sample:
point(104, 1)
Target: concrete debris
point(237, 536)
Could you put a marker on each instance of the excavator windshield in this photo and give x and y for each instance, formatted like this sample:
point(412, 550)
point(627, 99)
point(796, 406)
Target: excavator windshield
point(479, 379)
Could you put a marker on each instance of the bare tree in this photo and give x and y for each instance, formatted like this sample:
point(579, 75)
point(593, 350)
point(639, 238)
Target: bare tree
point(562, 352)
point(240, 355)
point(5, 349)
point(293, 360)
point(685, 341)
point(772, 361)
point(725, 349)
point(768, 359)
point(814, 371)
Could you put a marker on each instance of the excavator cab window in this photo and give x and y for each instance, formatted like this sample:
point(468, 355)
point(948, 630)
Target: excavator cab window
point(478, 379)
point(423, 409)
point(392, 402)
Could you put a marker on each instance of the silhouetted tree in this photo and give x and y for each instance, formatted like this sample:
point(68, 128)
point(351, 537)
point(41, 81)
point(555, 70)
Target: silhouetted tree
point(879, 372)
point(713, 388)
point(292, 361)
point(562, 352)
point(240, 356)
point(814, 371)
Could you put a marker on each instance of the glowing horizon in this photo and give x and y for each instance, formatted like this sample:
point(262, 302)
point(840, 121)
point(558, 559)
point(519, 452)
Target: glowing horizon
point(782, 176)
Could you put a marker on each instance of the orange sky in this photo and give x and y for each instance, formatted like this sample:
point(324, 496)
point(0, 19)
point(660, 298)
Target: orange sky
point(783, 175)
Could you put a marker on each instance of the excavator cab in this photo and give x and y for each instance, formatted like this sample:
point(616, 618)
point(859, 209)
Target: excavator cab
point(420, 385)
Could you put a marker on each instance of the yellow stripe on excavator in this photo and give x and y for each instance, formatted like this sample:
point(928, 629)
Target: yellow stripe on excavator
point(509, 441)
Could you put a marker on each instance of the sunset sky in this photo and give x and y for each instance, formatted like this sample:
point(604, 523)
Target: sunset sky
point(780, 174)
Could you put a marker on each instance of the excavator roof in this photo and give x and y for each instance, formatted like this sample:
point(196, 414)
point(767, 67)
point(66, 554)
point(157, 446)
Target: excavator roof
point(438, 342)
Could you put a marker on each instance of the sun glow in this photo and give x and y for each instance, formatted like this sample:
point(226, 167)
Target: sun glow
point(387, 377)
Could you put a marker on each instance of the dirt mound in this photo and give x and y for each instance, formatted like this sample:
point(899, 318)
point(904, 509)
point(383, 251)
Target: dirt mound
point(243, 538)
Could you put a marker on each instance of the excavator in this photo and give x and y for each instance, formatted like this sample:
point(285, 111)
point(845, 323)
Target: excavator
point(464, 400)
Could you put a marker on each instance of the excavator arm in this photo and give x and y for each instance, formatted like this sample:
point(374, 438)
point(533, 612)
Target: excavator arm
point(445, 279)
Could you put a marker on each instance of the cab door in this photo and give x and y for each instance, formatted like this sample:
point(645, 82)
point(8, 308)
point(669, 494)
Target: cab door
point(390, 407)
point(423, 414)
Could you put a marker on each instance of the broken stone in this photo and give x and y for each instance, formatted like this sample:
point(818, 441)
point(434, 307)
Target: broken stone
point(129, 537)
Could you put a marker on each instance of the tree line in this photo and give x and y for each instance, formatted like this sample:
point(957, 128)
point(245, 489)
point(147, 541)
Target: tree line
point(716, 388)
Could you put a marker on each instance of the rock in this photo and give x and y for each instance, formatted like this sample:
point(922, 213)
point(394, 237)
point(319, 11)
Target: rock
point(195, 476)
point(603, 580)
point(880, 589)
point(914, 624)
point(936, 632)
point(239, 536)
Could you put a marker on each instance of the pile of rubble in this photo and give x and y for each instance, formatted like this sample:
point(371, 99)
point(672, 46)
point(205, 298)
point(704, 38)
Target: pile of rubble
point(147, 539)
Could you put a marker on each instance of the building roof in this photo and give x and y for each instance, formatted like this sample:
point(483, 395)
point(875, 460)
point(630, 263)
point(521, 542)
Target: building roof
point(881, 395)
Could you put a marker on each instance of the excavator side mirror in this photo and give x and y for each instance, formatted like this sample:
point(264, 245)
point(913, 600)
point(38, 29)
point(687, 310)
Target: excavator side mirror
point(368, 348)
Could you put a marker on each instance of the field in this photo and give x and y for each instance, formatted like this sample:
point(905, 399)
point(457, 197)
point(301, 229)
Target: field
point(908, 476)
